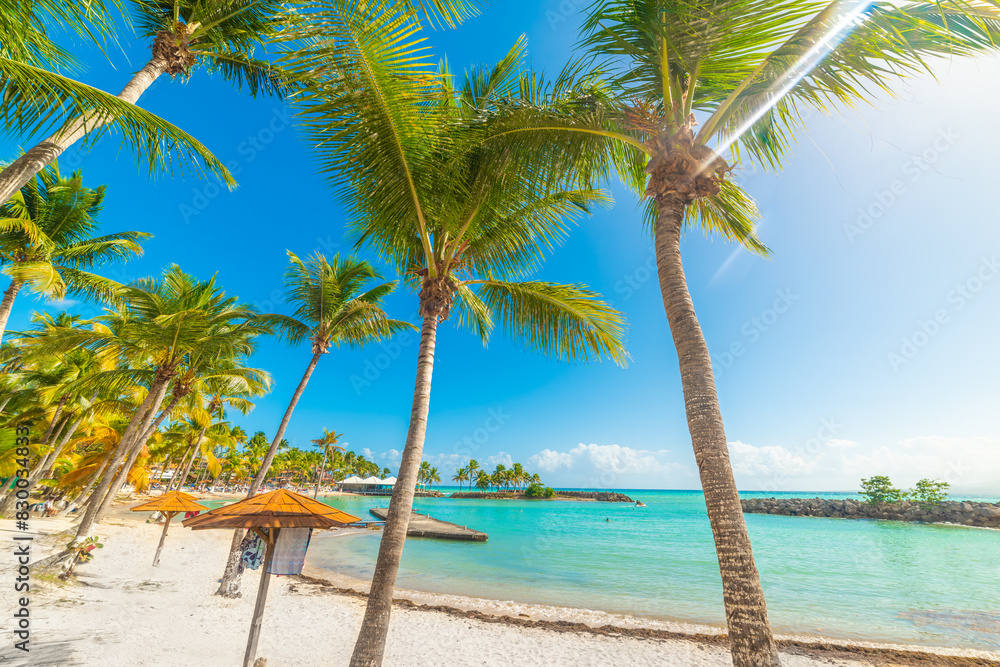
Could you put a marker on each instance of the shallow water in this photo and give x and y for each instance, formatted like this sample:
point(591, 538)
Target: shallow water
point(870, 580)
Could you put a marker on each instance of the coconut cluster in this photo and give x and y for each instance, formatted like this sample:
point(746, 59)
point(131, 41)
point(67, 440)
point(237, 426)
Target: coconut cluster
point(682, 169)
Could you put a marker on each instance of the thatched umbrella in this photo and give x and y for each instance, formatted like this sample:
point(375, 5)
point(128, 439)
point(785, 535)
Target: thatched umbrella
point(169, 504)
point(274, 511)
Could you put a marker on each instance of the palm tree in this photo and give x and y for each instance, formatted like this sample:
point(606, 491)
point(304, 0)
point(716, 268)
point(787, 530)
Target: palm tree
point(499, 476)
point(168, 334)
point(473, 469)
point(461, 475)
point(219, 35)
point(327, 441)
point(483, 480)
point(463, 228)
point(517, 475)
point(47, 242)
point(433, 476)
point(336, 302)
point(748, 69)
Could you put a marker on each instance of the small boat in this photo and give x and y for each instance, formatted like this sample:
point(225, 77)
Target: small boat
point(639, 503)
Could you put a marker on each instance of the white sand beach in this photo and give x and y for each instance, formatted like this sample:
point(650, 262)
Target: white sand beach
point(123, 612)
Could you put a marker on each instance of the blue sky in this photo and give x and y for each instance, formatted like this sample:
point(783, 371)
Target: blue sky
point(866, 345)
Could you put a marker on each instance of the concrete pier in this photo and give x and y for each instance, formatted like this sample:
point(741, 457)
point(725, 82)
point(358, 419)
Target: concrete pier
point(422, 525)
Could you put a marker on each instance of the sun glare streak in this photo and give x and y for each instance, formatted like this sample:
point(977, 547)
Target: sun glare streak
point(802, 67)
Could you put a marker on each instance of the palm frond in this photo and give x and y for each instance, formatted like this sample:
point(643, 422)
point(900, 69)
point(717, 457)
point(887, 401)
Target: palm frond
point(565, 321)
point(38, 101)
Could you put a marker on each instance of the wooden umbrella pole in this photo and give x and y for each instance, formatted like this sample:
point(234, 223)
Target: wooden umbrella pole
point(166, 524)
point(258, 610)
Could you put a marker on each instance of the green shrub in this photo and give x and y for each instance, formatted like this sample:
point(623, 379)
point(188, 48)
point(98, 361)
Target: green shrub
point(878, 490)
point(929, 492)
point(538, 491)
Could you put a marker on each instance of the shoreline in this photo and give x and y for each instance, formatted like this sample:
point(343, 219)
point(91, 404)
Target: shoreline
point(830, 648)
point(119, 599)
point(593, 621)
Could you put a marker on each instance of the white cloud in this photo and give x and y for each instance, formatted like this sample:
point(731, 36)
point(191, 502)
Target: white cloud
point(608, 466)
point(971, 465)
point(490, 462)
point(390, 458)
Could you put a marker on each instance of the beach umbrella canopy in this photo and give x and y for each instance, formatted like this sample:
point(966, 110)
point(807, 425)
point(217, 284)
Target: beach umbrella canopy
point(274, 511)
point(175, 501)
point(277, 509)
point(170, 504)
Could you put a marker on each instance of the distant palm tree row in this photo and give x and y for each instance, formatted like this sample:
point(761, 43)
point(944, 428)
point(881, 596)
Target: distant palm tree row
point(462, 184)
point(502, 478)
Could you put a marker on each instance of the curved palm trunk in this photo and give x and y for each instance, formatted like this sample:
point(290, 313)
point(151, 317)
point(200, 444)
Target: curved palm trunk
point(156, 391)
point(194, 455)
point(232, 578)
point(9, 295)
point(751, 641)
point(126, 468)
point(319, 480)
point(43, 461)
point(180, 466)
point(24, 168)
point(370, 647)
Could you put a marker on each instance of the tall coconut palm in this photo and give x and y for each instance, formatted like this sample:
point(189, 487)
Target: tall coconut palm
point(747, 69)
point(328, 441)
point(461, 475)
point(483, 480)
point(47, 242)
point(164, 333)
point(219, 35)
point(463, 228)
point(336, 302)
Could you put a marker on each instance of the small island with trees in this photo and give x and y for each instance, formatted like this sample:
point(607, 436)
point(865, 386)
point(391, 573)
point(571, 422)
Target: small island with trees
point(516, 483)
point(926, 502)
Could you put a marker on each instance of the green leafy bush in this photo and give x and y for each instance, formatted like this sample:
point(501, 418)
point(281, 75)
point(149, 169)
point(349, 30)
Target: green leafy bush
point(538, 491)
point(878, 490)
point(929, 492)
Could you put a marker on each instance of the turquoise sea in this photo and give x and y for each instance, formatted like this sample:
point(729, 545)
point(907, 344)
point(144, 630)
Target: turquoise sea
point(870, 580)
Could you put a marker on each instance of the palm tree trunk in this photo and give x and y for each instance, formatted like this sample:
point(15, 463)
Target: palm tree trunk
point(370, 647)
point(24, 168)
point(319, 480)
point(140, 442)
point(55, 420)
point(44, 467)
point(36, 474)
point(231, 578)
point(180, 466)
point(8, 300)
point(118, 456)
point(751, 641)
point(83, 494)
point(187, 469)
